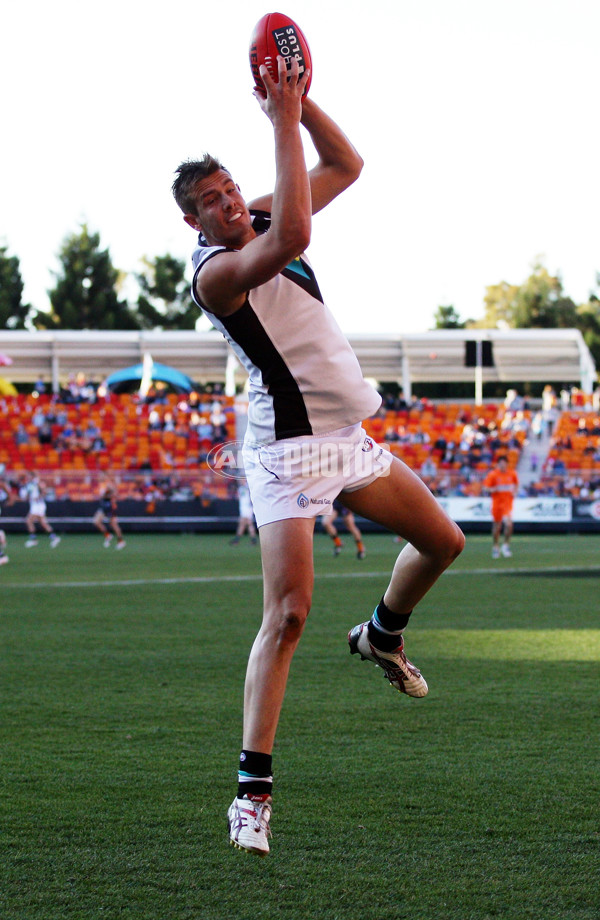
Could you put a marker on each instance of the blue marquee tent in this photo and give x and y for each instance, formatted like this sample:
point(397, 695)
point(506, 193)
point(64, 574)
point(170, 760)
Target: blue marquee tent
point(162, 372)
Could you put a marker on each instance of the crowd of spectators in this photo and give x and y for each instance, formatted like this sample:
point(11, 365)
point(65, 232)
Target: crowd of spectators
point(162, 435)
point(59, 422)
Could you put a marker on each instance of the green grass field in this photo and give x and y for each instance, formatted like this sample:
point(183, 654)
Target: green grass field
point(121, 686)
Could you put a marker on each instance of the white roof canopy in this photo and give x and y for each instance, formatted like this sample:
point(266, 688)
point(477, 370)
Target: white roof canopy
point(520, 355)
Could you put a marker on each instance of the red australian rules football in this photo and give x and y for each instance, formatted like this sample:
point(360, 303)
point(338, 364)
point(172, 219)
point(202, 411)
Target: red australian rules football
point(277, 34)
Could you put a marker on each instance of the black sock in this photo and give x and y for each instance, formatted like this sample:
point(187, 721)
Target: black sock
point(255, 774)
point(385, 627)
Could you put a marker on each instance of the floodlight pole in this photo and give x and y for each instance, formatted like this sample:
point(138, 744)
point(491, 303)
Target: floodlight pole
point(478, 373)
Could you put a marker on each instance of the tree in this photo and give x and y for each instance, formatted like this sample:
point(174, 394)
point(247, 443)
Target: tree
point(540, 303)
point(13, 312)
point(588, 315)
point(85, 295)
point(448, 318)
point(500, 304)
point(165, 300)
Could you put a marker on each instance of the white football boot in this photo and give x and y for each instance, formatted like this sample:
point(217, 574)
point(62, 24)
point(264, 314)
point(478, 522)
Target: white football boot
point(400, 672)
point(248, 823)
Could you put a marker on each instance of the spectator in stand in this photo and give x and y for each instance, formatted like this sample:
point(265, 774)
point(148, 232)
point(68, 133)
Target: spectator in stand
point(87, 390)
point(428, 471)
point(513, 401)
point(38, 418)
point(520, 422)
point(21, 436)
point(421, 437)
point(450, 454)
point(584, 491)
point(495, 441)
point(443, 486)
point(45, 433)
point(537, 426)
point(154, 420)
point(205, 429)
point(219, 423)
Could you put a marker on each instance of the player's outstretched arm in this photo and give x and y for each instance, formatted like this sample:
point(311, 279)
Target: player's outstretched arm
point(339, 164)
point(291, 199)
point(224, 281)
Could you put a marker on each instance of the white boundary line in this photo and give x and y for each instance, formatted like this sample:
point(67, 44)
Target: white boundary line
point(226, 579)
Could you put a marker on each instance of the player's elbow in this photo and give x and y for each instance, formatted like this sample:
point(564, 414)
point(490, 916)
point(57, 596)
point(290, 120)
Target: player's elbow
point(346, 174)
point(296, 237)
point(351, 168)
point(356, 167)
point(303, 238)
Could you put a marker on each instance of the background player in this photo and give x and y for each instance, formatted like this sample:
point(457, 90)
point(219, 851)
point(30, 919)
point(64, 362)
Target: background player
point(340, 510)
point(502, 484)
point(246, 516)
point(107, 517)
point(4, 495)
point(34, 491)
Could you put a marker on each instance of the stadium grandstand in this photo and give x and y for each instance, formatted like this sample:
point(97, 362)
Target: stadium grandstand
point(440, 356)
point(64, 424)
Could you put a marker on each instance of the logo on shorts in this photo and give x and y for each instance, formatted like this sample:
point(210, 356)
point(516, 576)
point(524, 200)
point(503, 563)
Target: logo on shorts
point(303, 501)
point(367, 445)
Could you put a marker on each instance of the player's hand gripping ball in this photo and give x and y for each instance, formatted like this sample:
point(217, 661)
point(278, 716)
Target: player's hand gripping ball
point(277, 34)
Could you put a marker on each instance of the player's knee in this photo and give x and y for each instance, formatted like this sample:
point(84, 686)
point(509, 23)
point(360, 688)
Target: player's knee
point(291, 621)
point(452, 544)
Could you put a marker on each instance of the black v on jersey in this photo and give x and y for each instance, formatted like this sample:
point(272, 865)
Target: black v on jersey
point(304, 378)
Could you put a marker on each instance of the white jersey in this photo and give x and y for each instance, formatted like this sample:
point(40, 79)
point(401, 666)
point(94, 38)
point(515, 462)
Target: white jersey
point(33, 491)
point(35, 496)
point(304, 378)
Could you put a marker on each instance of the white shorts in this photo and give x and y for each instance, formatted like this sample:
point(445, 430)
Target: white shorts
point(300, 477)
point(37, 509)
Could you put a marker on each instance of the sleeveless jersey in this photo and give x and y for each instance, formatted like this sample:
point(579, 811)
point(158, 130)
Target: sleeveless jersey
point(304, 378)
point(34, 493)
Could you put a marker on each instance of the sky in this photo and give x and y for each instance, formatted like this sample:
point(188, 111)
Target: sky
point(477, 121)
